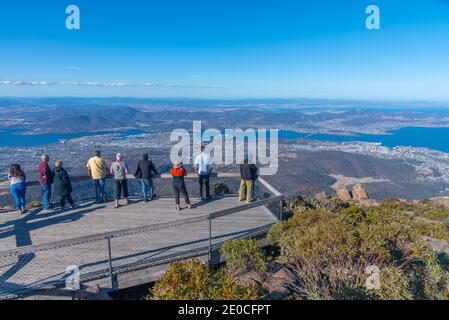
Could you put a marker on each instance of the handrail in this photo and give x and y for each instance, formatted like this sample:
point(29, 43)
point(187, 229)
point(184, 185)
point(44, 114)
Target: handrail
point(4, 186)
point(121, 233)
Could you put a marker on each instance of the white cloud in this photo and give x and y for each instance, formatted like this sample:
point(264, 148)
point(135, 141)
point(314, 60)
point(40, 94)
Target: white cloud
point(102, 84)
point(74, 68)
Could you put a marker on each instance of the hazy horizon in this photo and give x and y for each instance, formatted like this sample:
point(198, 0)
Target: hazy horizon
point(232, 50)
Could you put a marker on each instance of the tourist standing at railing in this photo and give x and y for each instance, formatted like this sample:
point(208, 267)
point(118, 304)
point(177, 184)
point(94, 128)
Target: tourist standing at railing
point(144, 171)
point(179, 186)
point(17, 186)
point(203, 166)
point(97, 169)
point(63, 185)
point(119, 169)
point(248, 173)
point(46, 180)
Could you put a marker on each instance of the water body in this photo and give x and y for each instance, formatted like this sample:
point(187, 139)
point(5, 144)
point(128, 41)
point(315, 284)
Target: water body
point(420, 137)
point(17, 138)
point(432, 138)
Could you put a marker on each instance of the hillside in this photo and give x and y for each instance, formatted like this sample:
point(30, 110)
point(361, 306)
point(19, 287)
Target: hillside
point(330, 250)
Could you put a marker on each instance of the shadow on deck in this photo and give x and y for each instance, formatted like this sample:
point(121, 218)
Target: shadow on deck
point(118, 248)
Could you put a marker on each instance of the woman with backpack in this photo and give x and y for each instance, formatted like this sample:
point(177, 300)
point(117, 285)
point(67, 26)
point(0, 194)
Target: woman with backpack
point(119, 169)
point(62, 185)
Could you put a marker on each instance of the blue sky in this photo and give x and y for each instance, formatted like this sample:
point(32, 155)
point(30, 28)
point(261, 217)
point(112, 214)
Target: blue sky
point(226, 49)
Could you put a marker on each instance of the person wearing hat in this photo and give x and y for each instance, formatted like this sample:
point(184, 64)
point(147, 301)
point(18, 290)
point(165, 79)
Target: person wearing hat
point(178, 173)
point(119, 169)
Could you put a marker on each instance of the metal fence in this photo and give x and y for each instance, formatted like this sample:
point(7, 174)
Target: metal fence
point(35, 268)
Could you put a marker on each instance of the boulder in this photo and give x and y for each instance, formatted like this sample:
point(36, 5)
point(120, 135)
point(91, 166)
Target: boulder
point(443, 201)
point(359, 193)
point(344, 195)
point(322, 196)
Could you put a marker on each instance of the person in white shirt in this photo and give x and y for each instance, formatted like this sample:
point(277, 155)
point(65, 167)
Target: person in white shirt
point(204, 168)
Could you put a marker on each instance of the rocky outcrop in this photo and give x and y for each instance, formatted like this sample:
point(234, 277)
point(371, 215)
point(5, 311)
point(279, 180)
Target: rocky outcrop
point(443, 201)
point(344, 195)
point(322, 196)
point(359, 193)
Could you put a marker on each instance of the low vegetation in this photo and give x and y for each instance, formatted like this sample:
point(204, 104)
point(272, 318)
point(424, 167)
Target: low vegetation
point(244, 255)
point(35, 204)
point(193, 280)
point(330, 250)
point(220, 189)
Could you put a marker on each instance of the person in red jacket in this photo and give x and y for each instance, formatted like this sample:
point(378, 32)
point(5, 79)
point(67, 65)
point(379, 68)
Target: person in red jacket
point(179, 186)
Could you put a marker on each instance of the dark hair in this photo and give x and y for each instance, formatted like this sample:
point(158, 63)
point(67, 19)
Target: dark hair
point(145, 156)
point(98, 153)
point(15, 170)
point(203, 147)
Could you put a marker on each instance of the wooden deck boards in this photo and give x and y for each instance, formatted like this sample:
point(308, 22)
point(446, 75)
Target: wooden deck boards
point(89, 219)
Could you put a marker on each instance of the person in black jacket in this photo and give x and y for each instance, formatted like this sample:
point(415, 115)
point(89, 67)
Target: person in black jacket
point(144, 171)
point(248, 173)
point(62, 185)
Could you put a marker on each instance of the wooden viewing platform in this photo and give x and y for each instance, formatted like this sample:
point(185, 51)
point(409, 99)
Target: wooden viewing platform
point(120, 248)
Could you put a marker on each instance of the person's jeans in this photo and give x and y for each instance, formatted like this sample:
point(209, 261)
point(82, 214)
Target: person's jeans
point(99, 189)
point(246, 191)
point(46, 196)
point(19, 191)
point(204, 180)
point(147, 189)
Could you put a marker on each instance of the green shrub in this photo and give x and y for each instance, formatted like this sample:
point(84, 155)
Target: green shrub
point(220, 188)
point(183, 281)
point(226, 288)
point(193, 280)
point(327, 252)
point(35, 204)
point(446, 223)
point(394, 285)
point(437, 214)
point(354, 213)
point(243, 255)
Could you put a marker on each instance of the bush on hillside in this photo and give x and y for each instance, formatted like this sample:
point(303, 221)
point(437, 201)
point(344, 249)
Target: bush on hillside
point(193, 280)
point(327, 254)
point(243, 255)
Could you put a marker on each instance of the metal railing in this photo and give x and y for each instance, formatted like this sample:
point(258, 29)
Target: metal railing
point(35, 268)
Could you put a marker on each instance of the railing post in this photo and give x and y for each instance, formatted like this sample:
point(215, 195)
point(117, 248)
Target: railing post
point(111, 275)
point(210, 240)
